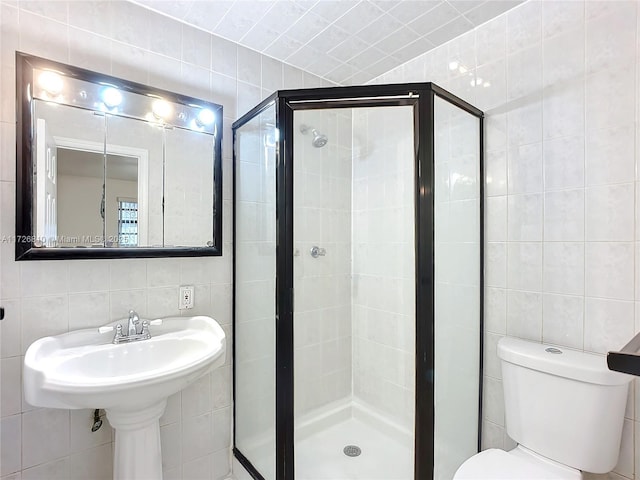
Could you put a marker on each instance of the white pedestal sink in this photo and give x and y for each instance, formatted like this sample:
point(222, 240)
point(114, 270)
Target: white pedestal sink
point(131, 381)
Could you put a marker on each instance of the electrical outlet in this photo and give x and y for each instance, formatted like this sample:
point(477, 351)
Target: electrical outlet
point(186, 297)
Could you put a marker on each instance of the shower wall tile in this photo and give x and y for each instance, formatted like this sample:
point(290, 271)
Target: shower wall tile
point(383, 307)
point(323, 217)
point(43, 298)
point(567, 273)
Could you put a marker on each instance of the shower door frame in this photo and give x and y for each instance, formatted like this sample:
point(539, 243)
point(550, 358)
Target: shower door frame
point(421, 96)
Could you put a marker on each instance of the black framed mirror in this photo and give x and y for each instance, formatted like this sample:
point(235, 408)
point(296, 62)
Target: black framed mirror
point(108, 168)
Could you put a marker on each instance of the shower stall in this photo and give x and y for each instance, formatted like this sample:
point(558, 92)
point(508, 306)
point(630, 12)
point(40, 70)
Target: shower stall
point(358, 233)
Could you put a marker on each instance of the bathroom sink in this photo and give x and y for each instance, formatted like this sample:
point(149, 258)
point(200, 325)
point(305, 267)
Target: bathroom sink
point(83, 369)
point(130, 381)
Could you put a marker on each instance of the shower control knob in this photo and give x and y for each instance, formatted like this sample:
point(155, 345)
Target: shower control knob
point(318, 252)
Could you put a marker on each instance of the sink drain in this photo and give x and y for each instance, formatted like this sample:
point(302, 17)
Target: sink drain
point(352, 450)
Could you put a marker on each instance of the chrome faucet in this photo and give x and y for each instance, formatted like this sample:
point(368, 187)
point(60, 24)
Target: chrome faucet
point(134, 321)
point(134, 333)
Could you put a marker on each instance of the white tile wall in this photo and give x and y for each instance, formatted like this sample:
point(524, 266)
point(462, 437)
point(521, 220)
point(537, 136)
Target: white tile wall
point(383, 308)
point(322, 217)
point(562, 139)
point(43, 298)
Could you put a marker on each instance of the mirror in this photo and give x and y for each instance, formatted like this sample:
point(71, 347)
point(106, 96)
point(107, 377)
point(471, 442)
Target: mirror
point(109, 168)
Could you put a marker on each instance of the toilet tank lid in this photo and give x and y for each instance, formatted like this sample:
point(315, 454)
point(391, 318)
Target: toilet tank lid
point(560, 361)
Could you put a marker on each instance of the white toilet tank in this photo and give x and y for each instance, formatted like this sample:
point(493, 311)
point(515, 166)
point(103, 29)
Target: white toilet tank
point(564, 406)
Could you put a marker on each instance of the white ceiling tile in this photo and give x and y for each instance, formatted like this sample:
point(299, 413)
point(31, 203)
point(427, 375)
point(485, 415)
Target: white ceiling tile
point(331, 10)
point(341, 72)
point(207, 15)
point(240, 18)
point(450, 31)
point(307, 27)
point(409, 10)
point(466, 5)
point(260, 37)
point(367, 58)
point(359, 78)
point(176, 9)
point(384, 65)
point(386, 4)
point(412, 50)
point(434, 19)
point(306, 4)
point(383, 26)
point(283, 47)
point(344, 41)
point(329, 38)
point(359, 17)
point(282, 15)
point(489, 10)
point(323, 65)
point(349, 48)
point(397, 39)
point(304, 57)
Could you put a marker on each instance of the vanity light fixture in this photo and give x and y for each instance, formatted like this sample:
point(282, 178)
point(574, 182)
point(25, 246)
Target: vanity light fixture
point(51, 82)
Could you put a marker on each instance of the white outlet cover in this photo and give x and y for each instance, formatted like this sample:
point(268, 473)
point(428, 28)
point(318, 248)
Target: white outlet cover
point(186, 297)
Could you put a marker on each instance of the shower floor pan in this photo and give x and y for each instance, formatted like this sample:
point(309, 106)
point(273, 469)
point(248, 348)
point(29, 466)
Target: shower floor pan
point(384, 455)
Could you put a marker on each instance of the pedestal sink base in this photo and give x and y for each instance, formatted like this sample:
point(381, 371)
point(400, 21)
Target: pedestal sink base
point(137, 446)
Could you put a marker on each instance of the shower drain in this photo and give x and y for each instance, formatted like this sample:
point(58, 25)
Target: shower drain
point(352, 450)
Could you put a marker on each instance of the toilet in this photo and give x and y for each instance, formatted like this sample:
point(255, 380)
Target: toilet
point(565, 410)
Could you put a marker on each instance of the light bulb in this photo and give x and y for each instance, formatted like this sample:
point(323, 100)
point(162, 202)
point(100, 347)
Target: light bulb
point(454, 65)
point(111, 97)
point(51, 82)
point(161, 109)
point(206, 117)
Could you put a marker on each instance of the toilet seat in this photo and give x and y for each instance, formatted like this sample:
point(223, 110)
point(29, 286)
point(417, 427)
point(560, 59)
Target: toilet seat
point(517, 464)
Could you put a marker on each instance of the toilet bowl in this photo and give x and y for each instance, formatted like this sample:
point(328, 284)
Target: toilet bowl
point(564, 409)
point(517, 464)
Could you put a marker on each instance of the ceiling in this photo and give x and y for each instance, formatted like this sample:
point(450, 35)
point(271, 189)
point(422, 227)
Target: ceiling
point(345, 41)
point(89, 164)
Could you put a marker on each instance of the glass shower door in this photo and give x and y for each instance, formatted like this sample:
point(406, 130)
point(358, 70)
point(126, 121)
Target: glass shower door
point(354, 282)
point(255, 291)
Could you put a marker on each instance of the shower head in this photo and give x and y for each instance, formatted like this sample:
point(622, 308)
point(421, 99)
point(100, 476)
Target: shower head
point(319, 139)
